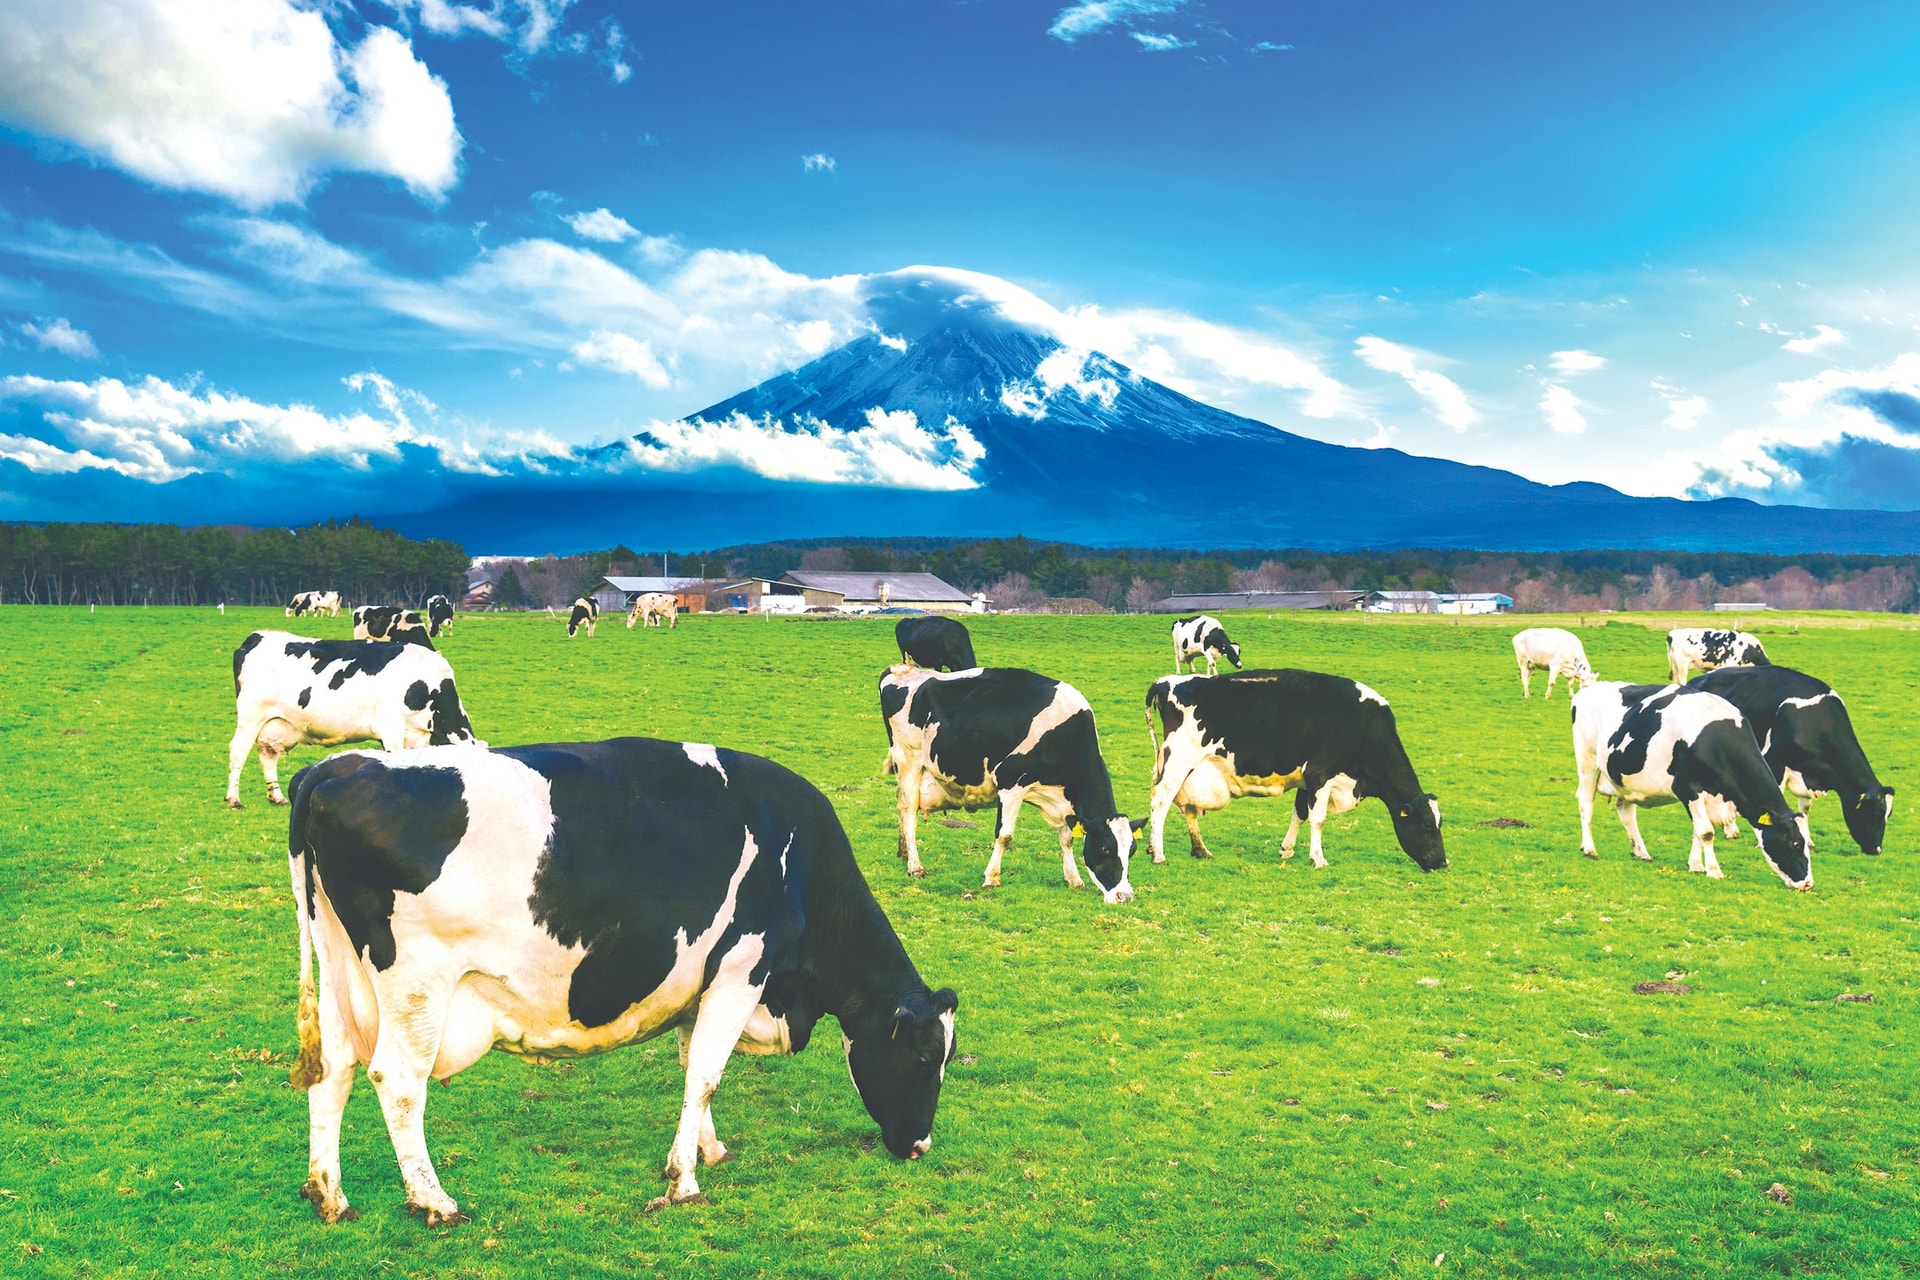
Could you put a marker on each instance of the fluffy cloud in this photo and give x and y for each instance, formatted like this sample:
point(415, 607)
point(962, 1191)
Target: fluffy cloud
point(1443, 395)
point(1160, 42)
point(607, 349)
point(1577, 362)
point(59, 335)
point(1824, 336)
point(1092, 16)
point(602, 225)
point(1683, 411)
point(891, 450)
point(255, 100)
point(527, 24)
point(1064, 370)
point(1562, 410)
point(818, 162)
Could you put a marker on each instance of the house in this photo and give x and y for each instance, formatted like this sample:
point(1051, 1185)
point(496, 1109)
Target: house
point(1213, 601)
point(1729, 606)
point(616, 592)
point(766, 595)
point(1476, 602)
point(479, 596)
point(862, 591)
point(1403, 601)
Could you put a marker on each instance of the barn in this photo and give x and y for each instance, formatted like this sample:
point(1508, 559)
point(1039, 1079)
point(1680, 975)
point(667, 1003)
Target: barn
point(859, 592)
point(1215, 601)
point(616, 592)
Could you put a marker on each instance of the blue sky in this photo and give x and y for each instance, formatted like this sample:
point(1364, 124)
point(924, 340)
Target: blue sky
point(1666, 247)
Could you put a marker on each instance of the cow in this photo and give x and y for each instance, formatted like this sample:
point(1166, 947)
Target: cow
point(1000, 736)
point(290, 690)
point(1650, 744)
point(1202, 637)
point(390, 622)
point(439, 615)
point(586, 612)
point(1265, 733)
point(1807, 739)
point(651, 606)
point(935, 642)
point(1559, 653)
point(314, 602)
point(559, 900)
point(1709, 648)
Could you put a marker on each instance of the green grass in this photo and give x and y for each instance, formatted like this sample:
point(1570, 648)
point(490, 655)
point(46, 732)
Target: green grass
point(1254, 1069)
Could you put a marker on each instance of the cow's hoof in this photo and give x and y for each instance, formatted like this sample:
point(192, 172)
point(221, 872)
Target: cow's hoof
point(724, 1156)
point(1644, 857)
point(658, 1203)
point(1201, 852)
point(235, 804)
point(1590, 853)
point(918, 873)
point(437, 1220)
point(1159, 858)
point(276, 800)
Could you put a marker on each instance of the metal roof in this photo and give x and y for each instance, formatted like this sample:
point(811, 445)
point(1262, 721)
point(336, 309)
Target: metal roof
point(1200, 602)
point(863, 586)
point(634, 586)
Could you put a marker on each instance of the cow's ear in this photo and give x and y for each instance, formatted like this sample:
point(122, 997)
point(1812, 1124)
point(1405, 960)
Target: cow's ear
point(945, 1000)
point(1137, 825)
point(1075, 826)
point(902, 1019)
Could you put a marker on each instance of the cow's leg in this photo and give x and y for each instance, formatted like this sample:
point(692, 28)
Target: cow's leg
point(726, 1007)
point(411, 1026)
point(712, 1150)
point(270, 769)
point(1584, 790)
point(909, 818)
point(1195, 845)
point(1170, 774)
point(1553, 673)
point(244, 736)
point(1526, 679)
point(1213, 665)
point(1629, 815)
point(326, 1105)
point(1010, 801)
point(1317, 820)
point(1068, 869)
point(1700, 857)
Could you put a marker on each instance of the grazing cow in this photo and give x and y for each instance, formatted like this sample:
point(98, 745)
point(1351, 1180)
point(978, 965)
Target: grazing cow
point(1807, 738)
point(1557, 652)
point(935, 642)
point(560, 900)
point(1202, 637)
point(1709, 648)
point(390, 622)
point(1651, 744)
point(1265, 733)
point(651, 606)
point(999, 736)
point(289, 690)
point(439, 614)
point(585, 613)
point(315, 602)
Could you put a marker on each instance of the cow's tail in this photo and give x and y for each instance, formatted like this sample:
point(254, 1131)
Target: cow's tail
point(1156, 698)
point(311, 1065)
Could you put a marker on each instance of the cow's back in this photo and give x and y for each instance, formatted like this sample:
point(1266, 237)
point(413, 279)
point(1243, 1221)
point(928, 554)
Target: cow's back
point(1274, 720)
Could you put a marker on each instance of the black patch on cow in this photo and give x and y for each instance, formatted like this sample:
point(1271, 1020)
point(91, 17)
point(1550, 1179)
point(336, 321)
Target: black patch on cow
point(1645, 705)
point(373, 832)
point(439, 614)
point(416, 696)
point(935, 642)
point(240, 657)
point(892, 698)
point(306, 696)
point(359, 657)
point(448, 717)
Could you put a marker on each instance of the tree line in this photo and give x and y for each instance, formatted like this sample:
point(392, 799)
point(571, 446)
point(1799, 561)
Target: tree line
point(100, 563)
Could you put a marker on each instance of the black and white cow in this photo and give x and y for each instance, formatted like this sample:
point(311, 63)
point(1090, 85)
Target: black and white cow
point(390, 622)
point(1653, 744)
point(439, 614)
point(555, 901)
point(586, 612)
point(315, 602)
point(1556, 651)
point(1265, 733)
point(1000, 737)
point(1709, 648)
point(935, 642)
point(290, 691)
point(1202, 637)
point(1808, 741)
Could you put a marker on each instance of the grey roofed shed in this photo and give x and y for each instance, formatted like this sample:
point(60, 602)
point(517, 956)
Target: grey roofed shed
point(866, 588)
point(1205, 602)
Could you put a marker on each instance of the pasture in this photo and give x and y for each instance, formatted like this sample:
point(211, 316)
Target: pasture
point(1254, 1069)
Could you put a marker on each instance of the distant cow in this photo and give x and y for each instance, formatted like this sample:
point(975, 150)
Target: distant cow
point(560, 900)
point(935, 642)
point(1202, 637)
point(1650, 744)
point(998, 737)
point(585, 613)
point(1808, 741)
point(1708, 648)
point(1265, 733)
point(1557, 652)
point(390, 622)
point(651, 606)
point(316, 602)
point(289, 690)
point(439, 614)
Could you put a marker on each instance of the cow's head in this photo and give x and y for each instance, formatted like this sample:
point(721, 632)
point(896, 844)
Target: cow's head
point(1783, 839)
point(447, 719)
point(1416, 824)
point(1106, 850)
point(1218, 642)
point(898, 1061)
point(1867, 817)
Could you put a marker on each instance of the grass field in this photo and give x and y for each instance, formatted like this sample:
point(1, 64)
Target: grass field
point(1254, 1069)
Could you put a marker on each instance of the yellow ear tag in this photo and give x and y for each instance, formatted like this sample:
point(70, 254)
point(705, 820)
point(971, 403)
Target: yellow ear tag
point(1403, 813)
point(1078, 831)
point(1764, 820)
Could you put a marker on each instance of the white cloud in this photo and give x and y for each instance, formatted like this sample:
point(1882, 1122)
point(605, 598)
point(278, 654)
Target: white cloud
point(256, 105)
point(1063, 370)
point(1577, 362)
point(1382, 438)
point(1160, 42)
point(818, 162)
point(659, 250)
point(1824, 336)
point(1092, 16)
point(527, 24)
point(1268, 46)
point(608, 349)
point(1562, 410)
point(892, 450)
point(602, 225)
point(1683, 411)
point(1443, 395)
point(59, 335)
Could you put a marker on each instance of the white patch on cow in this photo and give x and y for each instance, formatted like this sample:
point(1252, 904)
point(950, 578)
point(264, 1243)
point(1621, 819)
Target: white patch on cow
point(703, 753)
point(1066, 704)
point(1368, 695)
point(946, 1021)
point(1814, 701)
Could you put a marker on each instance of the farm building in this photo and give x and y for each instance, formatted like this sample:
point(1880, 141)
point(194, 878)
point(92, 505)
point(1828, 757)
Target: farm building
point(855, 590)
point(615, 593)
point(1731, 606)
point(1403, 601)
point(1210, 601)
point(479, 596)
point(766, 595)
point(1476, 602)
